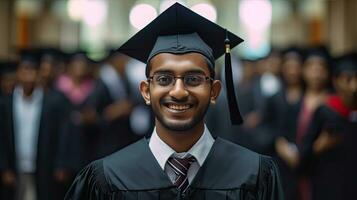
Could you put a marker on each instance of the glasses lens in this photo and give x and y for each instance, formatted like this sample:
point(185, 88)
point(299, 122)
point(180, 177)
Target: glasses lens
point(163, 79)
point(193, 80)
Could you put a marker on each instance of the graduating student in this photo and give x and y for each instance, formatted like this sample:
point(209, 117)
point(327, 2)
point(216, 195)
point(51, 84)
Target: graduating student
point(281, 113)
point(181, 160)
point(112, 103)
point(31, 122)
point(329, 147)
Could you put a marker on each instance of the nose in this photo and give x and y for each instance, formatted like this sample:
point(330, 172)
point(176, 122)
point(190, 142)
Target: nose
point(178, 91)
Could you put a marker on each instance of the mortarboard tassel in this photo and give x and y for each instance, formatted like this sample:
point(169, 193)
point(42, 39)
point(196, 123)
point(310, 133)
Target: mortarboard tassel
point(235, 116)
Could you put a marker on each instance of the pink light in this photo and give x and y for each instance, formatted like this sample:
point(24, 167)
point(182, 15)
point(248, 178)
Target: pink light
point(141, 15)
point(255, 14)
point(206, 10)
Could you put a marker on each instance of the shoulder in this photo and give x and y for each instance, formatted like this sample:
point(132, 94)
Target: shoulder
point(126, 154)
point(242, 156)
point(235, 161)
point(236, 151)
point(90, 178)
point(95, 175)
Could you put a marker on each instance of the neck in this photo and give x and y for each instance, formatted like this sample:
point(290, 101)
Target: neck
point(180, 141)
point(27, 91)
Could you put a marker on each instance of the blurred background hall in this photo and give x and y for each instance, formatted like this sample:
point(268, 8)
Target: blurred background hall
point(67, 97)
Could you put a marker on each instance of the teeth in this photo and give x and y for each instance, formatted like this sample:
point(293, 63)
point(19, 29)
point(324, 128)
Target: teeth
point(178, 107)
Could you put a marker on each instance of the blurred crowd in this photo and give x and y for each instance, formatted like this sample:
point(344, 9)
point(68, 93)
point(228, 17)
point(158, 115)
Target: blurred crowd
point(59, 111)
point(300, 107)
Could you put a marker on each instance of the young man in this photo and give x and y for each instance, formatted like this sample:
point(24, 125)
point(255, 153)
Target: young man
point(181, 160)
point(31, 120)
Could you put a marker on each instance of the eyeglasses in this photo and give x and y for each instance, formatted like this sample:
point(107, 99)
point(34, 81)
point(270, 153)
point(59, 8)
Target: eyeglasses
point(189, 80)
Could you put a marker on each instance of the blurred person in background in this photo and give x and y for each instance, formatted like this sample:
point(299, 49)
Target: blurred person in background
point(280, 115)
point(31, 125)
point(7, 83)
point(329, 147)
point(316, 75)
point(7, 77)
point(218, 118)
point(267, 84)
point(49, 67)
point(76, 144)
point(112, 103)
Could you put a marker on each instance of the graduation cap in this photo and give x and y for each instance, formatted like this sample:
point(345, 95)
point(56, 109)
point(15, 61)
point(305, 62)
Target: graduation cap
point(7, 67)
point(179, 30)
point(50, 54)
point(293, 52)
point(31, 56)
point(78, 54)
point(347, 62)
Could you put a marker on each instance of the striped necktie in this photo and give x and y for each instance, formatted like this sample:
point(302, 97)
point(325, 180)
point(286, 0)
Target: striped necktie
point(180, 167)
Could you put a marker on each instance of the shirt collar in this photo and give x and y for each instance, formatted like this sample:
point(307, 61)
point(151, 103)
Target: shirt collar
point(199, 150)
point(35, 97)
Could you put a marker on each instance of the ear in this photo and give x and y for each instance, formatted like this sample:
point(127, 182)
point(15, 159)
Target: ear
point(145, 91)
point(215, 90)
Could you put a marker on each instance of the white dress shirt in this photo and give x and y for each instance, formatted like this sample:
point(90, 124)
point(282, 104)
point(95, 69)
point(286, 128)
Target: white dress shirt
point(163, 152)
point(27, 114)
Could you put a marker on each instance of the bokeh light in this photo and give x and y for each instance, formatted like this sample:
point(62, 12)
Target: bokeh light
point(141, 15)
point(75, 9)
point(255, 14)
point(206, 10)
point(95, 12)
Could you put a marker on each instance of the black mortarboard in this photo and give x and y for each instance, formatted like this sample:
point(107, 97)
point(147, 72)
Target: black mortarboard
point(31, 56)
point(7, 67)
point(50, 53)
point(347, 62)
point(293, 52)
point(78, 54)
point(179, 30)
point(321, 52)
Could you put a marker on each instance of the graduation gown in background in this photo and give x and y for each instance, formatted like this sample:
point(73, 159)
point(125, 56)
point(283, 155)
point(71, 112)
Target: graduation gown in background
point(114, 135)
point(333, 172)
point(218, 122)
point(279, 119)
point(51, 124)
point(2, 144)
point(229, 172)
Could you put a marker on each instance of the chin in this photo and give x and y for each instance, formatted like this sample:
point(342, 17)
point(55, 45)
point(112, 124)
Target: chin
point(179, 126)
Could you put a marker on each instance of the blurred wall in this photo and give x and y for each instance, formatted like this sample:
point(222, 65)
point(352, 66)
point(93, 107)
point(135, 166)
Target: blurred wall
point(304, 22)
point(5, 28)
point(342, 25)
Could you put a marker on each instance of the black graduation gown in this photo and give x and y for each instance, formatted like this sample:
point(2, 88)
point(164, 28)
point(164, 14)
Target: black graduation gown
point(51, 123)
point(2, 143)
point(229, 172)
point(279, 119)
point(219, 123)
point(109, 136)
point(333, 173)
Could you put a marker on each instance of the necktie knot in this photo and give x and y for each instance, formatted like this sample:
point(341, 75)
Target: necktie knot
point(180, 166)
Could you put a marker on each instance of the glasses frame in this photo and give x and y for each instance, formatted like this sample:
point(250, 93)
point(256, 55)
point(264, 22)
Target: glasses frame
point(206, 78)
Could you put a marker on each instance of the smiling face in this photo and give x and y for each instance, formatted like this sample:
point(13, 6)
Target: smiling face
point(178, 107)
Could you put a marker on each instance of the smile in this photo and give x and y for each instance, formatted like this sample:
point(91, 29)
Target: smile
point(177, 107)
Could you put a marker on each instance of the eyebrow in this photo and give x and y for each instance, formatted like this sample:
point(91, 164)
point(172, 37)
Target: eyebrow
point(194, 71)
